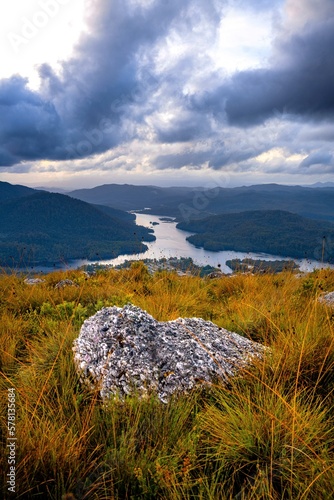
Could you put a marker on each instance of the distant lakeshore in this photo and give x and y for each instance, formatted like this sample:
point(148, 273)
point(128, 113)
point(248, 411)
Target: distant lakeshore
point(171, 243)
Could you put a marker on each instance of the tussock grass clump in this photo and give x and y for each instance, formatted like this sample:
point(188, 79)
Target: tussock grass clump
point(267, 444)
point(268, 435)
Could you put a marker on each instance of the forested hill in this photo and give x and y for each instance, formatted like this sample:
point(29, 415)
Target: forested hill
point(115, 213)
point(13, 191)
point(48, 227)
point(270, 231)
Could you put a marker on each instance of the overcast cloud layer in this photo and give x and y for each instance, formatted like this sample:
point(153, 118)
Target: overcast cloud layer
point(147, 91)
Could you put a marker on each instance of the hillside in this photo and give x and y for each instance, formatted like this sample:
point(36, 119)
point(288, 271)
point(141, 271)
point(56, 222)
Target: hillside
point(48, 227)
point(115, 213)
point(269, 231)
point(129, 197)
point(267, 435)
point(187, 203)
point(14, 191)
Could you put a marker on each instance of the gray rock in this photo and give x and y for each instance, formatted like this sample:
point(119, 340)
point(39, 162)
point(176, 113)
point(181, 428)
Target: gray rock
point(328, 299)
point(215, 274)
point(33, 281)
point(63, 283)
point(124, 351)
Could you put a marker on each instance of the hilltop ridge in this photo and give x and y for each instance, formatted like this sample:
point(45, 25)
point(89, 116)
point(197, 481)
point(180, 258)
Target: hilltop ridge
point(50, 227)
point(315, 203)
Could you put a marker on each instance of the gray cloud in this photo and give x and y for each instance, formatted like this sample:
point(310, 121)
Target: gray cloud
point(303, 85)
point(123, 85)
point(190, 159)
point(318, 158)
point(187, 127)
point(30, 127)
point(80, 111)
point(256, 5)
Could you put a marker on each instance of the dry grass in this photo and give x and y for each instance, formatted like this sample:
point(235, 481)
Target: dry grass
point(269, 435)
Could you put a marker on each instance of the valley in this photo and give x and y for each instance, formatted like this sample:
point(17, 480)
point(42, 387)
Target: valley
point(113, 223)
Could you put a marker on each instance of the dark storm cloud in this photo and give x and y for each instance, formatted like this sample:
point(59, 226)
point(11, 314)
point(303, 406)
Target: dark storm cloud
point(225, 157)
point(216, 154)
point(79, 112)
point(318, 158)
point(118, 86)
point(302, 85)
point(184, 128)
point(29, 127)
point(190, 159)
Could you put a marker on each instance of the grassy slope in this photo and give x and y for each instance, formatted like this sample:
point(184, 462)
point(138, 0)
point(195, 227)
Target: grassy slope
point(269, 435)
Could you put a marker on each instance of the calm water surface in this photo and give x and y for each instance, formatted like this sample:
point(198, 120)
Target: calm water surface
point(171, 242)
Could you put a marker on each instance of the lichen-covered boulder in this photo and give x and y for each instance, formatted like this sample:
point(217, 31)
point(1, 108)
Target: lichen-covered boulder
point(123, 351)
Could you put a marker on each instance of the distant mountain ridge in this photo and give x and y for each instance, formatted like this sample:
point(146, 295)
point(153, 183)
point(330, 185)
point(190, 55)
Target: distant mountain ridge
point(52, 189)
point(322, 185)
point(130, 197)
point(191, 203)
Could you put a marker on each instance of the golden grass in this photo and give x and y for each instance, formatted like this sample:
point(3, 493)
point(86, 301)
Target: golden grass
point(268, 435)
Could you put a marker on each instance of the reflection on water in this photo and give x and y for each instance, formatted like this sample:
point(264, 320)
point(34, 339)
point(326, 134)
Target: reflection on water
point(171, 242)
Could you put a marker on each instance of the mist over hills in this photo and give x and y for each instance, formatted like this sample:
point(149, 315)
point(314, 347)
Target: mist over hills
point(321, 185)
point(49, 227)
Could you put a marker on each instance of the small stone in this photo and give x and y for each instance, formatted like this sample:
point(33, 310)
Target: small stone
point(63, 283)
point(327, 299)
point(215, 274)
point(33, 281)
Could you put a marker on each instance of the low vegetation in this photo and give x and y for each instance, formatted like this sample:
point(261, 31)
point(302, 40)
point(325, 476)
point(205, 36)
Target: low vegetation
point(268, 435)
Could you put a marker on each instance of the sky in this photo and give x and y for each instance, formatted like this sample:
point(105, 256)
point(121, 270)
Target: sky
point(166, 92)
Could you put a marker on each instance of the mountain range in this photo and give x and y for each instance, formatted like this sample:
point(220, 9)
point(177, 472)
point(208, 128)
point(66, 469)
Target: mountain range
point(186, 203)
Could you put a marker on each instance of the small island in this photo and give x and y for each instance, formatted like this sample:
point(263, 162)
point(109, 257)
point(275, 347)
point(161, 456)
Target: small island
point(261, 266)
point(166, 219)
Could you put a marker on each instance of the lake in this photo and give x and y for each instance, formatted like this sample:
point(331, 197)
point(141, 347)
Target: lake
point(171, 242)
